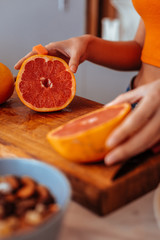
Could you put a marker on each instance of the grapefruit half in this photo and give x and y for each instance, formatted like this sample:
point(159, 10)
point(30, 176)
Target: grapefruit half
point(83, 139)
point(45, 83)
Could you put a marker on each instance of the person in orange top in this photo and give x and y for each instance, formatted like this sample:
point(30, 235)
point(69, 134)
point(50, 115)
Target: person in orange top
point(141, 129)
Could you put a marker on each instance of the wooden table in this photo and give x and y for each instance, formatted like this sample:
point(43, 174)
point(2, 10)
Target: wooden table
point(23, 134)
point(135, 221)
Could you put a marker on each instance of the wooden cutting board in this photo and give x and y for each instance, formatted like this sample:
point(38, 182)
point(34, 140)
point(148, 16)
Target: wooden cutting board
point(23, 134)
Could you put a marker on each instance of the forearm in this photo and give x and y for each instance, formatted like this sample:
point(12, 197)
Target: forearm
point(115, 55)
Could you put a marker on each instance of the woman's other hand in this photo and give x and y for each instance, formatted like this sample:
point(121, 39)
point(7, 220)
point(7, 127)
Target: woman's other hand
point(141, 129)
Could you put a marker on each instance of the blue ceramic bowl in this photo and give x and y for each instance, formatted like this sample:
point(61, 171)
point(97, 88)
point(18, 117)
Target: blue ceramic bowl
point(56, 182)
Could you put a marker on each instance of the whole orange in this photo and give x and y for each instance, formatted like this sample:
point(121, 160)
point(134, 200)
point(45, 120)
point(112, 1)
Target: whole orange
point(6, 83)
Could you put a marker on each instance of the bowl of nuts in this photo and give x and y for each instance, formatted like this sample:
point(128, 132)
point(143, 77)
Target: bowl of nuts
point(33, 199)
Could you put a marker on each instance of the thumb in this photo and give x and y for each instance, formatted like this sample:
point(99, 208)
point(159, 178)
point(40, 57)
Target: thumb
point(74, 62)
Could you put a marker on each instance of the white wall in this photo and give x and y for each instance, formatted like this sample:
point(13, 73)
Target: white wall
point(128, 18)
point(102, 84)
point(25, 23)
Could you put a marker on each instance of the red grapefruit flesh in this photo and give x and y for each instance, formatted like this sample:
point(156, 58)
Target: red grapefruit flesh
point(45, 83)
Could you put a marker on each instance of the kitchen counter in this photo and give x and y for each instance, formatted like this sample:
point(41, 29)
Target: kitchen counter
point(23, 134)
point(135, 221)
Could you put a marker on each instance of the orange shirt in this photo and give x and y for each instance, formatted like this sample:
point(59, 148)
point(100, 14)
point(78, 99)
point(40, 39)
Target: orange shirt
point(149, 10)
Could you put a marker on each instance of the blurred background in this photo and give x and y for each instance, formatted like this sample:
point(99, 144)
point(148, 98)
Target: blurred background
point(25, 23)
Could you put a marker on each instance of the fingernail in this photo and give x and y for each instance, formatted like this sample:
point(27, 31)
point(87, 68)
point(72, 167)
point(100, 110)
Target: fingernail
point(110, 142)
point(108, 104)
point(73, 68)
point(109, 160)
point(15, 67)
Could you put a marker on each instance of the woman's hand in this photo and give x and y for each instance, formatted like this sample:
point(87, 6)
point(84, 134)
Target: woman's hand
point(73, 51)
point(141, 129)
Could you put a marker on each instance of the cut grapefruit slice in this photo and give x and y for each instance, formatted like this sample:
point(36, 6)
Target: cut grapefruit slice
point(39, 49)
point(45, 83)
point(83, 139)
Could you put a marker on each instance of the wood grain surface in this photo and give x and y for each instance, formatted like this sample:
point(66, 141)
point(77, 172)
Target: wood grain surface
point(23, 134)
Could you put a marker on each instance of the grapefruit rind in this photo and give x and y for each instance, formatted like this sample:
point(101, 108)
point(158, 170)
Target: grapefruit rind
point(47, 58)
point(87, 146)
point(6, 83)
point(39, 49)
